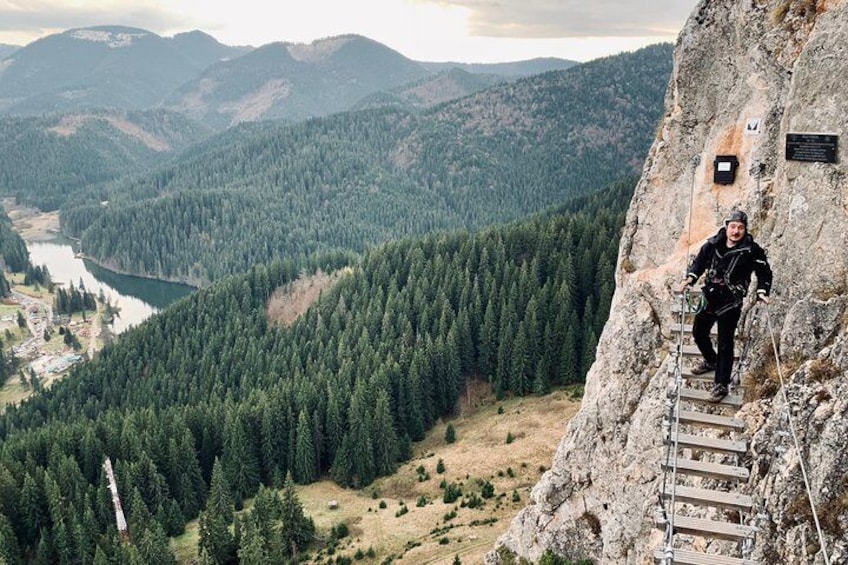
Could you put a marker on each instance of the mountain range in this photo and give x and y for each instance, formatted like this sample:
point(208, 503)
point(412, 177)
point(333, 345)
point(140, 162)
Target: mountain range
point(132, 69)
point(356, 179)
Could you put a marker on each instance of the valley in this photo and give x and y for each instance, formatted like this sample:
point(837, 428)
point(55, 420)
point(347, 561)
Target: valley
point(43, 362)
point(403, 515)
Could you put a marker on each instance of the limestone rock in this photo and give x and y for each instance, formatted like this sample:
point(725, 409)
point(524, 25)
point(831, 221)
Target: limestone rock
point(784, 63)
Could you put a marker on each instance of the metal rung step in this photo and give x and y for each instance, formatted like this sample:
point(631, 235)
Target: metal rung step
point(692, 350)
point(683, 557)
point(710, 420)
point(686, 373)
point(687, 328)
point(703, 396)
point(709, 470)
point(713, 498)
point(708, 528)
point(689, 441)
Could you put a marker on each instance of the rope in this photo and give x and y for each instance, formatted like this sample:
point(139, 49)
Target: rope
point(673, 420)
point(795, 439)
point(742, 364)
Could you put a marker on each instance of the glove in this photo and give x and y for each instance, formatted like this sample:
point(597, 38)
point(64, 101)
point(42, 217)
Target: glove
point(686, 284)
point(762, 297)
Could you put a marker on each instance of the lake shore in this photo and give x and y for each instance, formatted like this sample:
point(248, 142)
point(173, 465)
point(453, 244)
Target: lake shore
point(32, 224)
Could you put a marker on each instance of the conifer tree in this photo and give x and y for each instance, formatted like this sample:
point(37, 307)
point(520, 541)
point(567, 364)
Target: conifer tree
point(385, 439)
point(360, 436)
point(10, 552)
point(220, 499)
point(305, 467)
point(153, 547)
point(297, 528)
point(216, 543)
point(239, 458)
point(253, 549)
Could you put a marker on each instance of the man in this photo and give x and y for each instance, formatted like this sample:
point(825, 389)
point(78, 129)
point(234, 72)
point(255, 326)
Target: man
point(727, 260)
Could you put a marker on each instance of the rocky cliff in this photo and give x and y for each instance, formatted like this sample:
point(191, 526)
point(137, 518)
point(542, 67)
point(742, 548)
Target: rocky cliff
point(740, 66)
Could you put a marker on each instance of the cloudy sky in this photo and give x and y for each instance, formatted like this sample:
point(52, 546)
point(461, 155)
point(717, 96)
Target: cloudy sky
point(425, 30)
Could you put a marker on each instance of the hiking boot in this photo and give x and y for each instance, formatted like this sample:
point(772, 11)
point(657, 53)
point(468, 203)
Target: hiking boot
point(718, 392)
point(702, 368)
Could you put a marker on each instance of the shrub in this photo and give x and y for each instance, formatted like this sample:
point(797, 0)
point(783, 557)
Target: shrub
point(452, 493)
point(440, 466)
point(474, 501)
point(488, 490)
point(515, 496)
point(422, 501)
point(592, 521)
point(382, 504)
point(509, 437)
point(444, 541)
point(450, 434)
point(339, 531)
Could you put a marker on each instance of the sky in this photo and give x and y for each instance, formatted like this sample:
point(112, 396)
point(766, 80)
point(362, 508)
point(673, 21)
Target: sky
point(483, 31)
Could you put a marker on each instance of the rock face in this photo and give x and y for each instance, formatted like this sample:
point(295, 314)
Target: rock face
point(784, 63)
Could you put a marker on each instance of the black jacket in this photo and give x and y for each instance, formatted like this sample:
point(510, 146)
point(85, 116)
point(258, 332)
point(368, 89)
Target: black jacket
point(732, 267)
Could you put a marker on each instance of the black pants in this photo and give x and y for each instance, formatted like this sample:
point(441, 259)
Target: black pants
point(723, 359)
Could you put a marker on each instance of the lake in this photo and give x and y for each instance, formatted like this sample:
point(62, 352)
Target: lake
point(137, 298)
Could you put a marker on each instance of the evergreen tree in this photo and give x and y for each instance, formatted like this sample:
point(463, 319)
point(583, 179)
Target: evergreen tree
point(239, 458)
point(253, 549)
point(10, 552)
point(385, 439)
point(153, 547)
point(216, 543)
point(450, 434)
point(220, 500)
point(305, 466)
point(297, 528)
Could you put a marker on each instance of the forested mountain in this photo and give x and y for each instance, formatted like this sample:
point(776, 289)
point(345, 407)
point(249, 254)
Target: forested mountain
point(103, 66)
point(352, 180)
point(344, 390)
point(514, 69)
point(294, 81)
point(46, 160)
point(432, 90)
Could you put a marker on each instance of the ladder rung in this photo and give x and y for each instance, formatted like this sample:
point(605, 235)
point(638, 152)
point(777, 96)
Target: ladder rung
point(714, 498)
point(687, 328)
point(693, 395)
point(683, 557)
point(708, 528)
point(710, 420)
point(702, 443)
point(692, 350)
point(709, 470)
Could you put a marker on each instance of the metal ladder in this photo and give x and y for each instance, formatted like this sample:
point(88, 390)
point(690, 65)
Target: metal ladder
point(699, 500)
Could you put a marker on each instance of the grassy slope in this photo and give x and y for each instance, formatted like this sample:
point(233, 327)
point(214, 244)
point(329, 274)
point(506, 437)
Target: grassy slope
point(480, 452)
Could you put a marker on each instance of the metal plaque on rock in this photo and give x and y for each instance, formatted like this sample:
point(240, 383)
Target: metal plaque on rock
point(817, 147)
